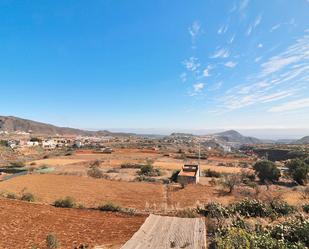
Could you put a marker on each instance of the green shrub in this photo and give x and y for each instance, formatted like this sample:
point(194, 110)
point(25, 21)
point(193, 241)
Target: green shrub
point(130, 166)
point(11, 196)
point(27, 197)
point(52, 241)
point(295, 230)
point(175, 175)
point(212, 173)
point(67, 202)
point(306, 208)
point(282, 207)
point(234, 238)
point(251, 208)
point(187, 213)
point(149, 170)
point(145, 179)
point(95, 172)
point(215, 210)
point(111, 207)
point(267, 171)
point(17, 164)
point(298, 171)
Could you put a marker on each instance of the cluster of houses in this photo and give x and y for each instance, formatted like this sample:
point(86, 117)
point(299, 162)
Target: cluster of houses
point(57, 142)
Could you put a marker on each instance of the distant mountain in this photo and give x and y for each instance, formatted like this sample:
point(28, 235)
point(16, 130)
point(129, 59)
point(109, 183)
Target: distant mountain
point(304, 140)
point(14, 124)
point(233, 136)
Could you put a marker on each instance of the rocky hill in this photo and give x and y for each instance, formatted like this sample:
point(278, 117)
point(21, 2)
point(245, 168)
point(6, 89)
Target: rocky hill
point(304, 140)
point(13, 124)
point(233, 136)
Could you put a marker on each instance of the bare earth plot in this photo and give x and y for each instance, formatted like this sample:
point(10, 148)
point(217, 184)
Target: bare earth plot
point(169, 232)
point(24, 225)
point(87, 191)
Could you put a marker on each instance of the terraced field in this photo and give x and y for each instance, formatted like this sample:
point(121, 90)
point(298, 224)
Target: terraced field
point(25, 225)
point(85, 190)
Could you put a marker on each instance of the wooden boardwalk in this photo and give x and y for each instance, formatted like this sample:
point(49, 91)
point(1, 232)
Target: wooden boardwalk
point(161, 232)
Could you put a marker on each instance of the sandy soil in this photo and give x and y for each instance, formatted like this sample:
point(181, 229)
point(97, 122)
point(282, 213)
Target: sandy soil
point(85, 190)
point(25, 225)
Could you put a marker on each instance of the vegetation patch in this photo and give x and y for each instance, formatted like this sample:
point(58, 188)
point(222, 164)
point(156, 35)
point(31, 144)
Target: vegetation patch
point(67, 202)
point(110, 207)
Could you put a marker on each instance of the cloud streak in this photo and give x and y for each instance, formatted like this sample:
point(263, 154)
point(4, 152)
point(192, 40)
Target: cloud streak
point(291, 105)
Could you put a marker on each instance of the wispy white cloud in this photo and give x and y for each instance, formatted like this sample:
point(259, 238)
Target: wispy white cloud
point(260, 45)
point(294, 54)
point(230, 64)
point(198, 87)
point(276, 96)
point(275, 27)
point(232, 39)
point(285, 75)
point(221, 53)
point(243, 5)
point(291, 105)
point(194, 29)
point(257, 59)
point(252, 26)
point(223, 29)
point(206, 72)
point(192, 64)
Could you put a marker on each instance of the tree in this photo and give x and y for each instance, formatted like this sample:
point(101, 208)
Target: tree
point(230, 182)
point(267, 171)
point(298, 170)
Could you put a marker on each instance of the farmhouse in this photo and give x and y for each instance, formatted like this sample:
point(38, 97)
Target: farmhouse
point(189, 174)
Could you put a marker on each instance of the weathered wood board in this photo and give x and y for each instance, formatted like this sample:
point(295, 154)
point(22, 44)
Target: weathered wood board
point(161, 232)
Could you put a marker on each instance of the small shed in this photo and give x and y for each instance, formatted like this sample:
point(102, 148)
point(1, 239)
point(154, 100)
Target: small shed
point(189, 174)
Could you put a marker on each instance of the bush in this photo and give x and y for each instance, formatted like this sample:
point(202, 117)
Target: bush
point(295, 230)
point(251, 208)
point(67, 202)
point(230, 182)
point(306, 208)
point(298, 171)
point(28, 197)
point(12, 196)
point(95, 172)
point(52, 241)
point(187, 213)
point(145, 179)
point(215, 210)
point(131, 166)
point(17, 164)
point(212, 173)
point(234, 238)
point(174, 175)
point(111, 207)
point(282, 207)
point(149, 170)
point(267, 171)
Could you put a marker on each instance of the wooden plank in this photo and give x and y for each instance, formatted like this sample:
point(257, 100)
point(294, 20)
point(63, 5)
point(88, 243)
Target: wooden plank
point(161, 232)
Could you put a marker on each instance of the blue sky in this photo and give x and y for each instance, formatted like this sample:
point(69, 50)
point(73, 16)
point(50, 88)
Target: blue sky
point(156, 64)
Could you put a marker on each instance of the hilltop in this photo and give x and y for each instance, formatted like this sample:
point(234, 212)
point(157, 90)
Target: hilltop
point(235, 137)
point(304, 140)
point(14, 124)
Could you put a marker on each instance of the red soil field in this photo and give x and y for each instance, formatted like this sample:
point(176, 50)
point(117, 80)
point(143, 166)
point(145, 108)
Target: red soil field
point(26, 225)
